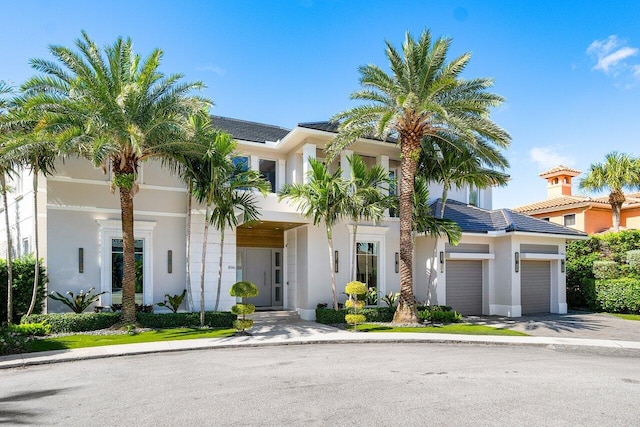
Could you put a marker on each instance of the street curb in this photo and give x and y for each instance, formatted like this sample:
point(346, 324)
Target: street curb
point(60, 356)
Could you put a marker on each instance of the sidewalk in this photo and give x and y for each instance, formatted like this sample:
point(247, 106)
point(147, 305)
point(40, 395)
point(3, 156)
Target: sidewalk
point(298, 333)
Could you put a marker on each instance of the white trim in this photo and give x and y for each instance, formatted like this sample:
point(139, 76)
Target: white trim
point(113, 211)
point(502, 233)
point(112, 229)
point(307, 314)
point(67, 179)
point(540, 257)
point(468, 255)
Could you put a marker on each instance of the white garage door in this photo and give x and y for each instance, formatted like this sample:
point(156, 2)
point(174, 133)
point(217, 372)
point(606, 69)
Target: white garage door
point(535, 288)
point(464, 286)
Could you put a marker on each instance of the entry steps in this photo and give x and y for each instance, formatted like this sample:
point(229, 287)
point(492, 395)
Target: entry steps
point(275, 316)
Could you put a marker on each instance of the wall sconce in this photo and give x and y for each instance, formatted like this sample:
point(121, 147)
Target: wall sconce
point(397, 262)
point(517, 263)
point(80, 260)
point(335, 261)
point(169, 261)
point(441, 262)
point(562, 265)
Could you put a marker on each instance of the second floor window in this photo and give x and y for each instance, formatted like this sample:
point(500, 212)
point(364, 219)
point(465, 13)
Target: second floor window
point(242, 162)
point(268, 172)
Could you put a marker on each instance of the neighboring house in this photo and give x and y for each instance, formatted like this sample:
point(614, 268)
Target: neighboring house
point(584, 213)
point(506, 264)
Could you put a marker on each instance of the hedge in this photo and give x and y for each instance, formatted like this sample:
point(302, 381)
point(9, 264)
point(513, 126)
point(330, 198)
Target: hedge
point(73, 322)
point(619, 295)
point(22, 287)
point(213, 319)
point(606, 270)
point(439, 314)
point(329, 316)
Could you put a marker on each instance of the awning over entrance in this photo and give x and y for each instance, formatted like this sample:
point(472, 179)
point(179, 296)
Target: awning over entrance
point(263, 234)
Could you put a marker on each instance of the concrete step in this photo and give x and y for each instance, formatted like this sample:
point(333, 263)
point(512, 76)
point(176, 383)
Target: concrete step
point(277, 316)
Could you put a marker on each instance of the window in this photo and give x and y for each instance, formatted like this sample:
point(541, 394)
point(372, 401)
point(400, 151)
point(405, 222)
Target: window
point(546, 218)
point(570, 220)
point(367, 269)
point(17, 183)
point(117, 270)
point(393, 190)
point(26, 249)
point(268, 172)
point(241, 162)
point(475, 197)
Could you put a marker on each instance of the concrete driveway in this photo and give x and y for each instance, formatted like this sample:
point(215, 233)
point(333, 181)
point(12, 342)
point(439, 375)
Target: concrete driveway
point(575, 324)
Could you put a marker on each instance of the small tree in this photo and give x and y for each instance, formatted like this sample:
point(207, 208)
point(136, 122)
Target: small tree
point(243, 290)
point(355, 290)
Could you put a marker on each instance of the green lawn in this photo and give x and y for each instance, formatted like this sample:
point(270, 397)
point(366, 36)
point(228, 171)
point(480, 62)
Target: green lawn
point(81, 341)
point(464, 329)
point(627, 316)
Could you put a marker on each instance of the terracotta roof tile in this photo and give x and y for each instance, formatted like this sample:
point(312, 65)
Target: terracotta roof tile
point(560, 168)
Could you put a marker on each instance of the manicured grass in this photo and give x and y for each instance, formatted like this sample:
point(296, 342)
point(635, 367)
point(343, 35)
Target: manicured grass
point(81, 341)
point(627, 316)
point(463, 329)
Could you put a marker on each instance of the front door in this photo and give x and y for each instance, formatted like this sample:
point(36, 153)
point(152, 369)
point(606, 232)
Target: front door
point(257, 270)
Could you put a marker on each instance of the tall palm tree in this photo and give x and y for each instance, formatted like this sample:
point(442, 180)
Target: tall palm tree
point(6, 170)
point(226, 190)
point(459, 164)
point(368, 198)
point(423, 96)
point(423, 219)
point(117, 110)
point(619, 171)
point(323, 198)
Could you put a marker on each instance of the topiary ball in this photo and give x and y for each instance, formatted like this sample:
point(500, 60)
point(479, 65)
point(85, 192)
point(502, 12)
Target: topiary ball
point(243, 290)
point(241, 324)
point(355, 288)
point(241, 309)
point(351, 303)
point(353, 319)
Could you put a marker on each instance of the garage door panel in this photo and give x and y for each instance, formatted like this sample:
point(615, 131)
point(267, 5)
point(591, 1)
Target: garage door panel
point(464, 286)
point(535, 287)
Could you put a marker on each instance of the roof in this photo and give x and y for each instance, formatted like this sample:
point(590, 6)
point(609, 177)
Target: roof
point(472, 219)
point(558, 171)
point(574, 202)
point(333, 128)
point(249, 131)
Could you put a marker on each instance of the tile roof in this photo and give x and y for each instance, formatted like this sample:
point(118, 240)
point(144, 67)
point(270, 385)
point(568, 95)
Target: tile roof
point(249, 131)
point(560, 168)
point(572, 202)
point(333, 128)
point(477, 220)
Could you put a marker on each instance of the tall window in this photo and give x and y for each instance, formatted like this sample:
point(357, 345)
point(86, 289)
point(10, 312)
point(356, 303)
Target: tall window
point(367, 265)
point(268, 172)
point(117, 270)
point(474, 196)
point(393, 190)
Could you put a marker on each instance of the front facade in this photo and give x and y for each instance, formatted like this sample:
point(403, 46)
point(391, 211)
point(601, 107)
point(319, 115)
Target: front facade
point(588, 214)
point(506, 264)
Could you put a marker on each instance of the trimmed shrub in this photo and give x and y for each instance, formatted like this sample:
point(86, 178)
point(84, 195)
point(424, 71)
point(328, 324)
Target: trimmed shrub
point(31, 329)
point(12, 342)
point(74, 322)
point(243, 290)
point(22, 288)
point(633, 259)
point(616, 245)
point(606, 270)
point(619, 295)
point(212, 319)
point(438, 314)
point(329, 316)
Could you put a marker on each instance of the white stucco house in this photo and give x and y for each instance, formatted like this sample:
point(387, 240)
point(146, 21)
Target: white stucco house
point(506, 264)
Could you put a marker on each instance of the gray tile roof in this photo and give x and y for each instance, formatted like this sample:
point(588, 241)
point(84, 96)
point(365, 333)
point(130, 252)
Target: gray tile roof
point(476, 220)
point(333, 128)
point(249, 131)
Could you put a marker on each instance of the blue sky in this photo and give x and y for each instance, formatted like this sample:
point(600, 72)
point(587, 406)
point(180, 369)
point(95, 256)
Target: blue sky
point(569, 70)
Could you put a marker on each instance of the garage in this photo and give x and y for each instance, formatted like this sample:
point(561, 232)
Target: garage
point(464, 286)
point(535, 287)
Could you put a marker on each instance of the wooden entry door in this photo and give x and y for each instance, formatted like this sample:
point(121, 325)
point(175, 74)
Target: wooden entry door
point(257, 270)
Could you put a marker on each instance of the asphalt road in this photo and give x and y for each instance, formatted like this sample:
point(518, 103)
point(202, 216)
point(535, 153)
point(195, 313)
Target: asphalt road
point(360, 384)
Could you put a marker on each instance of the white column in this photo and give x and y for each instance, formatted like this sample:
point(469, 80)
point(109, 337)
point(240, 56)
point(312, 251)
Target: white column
point(308, 152)
point(344, 164)
point(383, 161)
point(255, 163)
point(282, 173)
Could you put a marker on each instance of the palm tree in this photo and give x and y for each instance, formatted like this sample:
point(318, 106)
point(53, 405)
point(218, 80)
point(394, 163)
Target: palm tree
point(460, 164)
point(618, 171)
point(324, 198)
point(224, 187)
point(368, 198)
point(117, 110)
point(423, 219)
point(6, 169)
point(423, 96)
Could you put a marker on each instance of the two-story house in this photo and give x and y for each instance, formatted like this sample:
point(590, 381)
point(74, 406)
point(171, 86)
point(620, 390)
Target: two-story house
point(506, 264)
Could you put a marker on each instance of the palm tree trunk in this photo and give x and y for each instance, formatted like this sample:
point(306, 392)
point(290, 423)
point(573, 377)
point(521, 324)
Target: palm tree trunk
point(202, 264)
point(354, 251)
point(615, 210)
point(128, 249)
point(36, 273)
point(3, 189)
point(220, 268)
point(406, 311)
point(443, 202)
point(333, 271)
point(188, 248)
